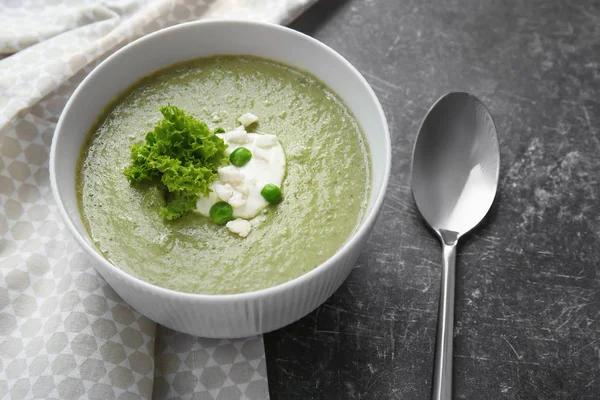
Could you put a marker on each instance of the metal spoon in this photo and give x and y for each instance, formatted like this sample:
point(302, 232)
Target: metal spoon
point(455, 169)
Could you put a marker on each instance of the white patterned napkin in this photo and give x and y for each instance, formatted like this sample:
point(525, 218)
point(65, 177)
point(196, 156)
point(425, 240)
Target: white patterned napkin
point(64, 333)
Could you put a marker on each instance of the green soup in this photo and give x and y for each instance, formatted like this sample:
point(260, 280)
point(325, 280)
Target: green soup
point(325, 189)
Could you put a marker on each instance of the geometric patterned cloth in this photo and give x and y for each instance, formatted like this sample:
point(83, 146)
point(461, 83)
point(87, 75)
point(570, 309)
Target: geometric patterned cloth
point(222, 369)
point(64, 333)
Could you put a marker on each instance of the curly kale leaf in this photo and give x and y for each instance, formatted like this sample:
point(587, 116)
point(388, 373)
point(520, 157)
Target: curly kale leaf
point(184, 154)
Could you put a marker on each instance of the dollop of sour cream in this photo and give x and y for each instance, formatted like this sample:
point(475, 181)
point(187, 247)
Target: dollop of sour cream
point(241, 186)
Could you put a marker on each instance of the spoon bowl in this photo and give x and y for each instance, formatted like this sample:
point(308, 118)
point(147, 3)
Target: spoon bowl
point(456, 163)
point(455, 170)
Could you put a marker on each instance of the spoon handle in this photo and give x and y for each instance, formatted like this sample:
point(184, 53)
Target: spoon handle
point(442, 372)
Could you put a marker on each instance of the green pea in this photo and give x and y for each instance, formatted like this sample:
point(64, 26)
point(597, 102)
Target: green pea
point(240, 156)
point(271, 193)
point(221, 213)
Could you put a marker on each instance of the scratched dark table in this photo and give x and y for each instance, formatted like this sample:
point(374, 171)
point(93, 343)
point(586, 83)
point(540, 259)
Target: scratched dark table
point(528, 280)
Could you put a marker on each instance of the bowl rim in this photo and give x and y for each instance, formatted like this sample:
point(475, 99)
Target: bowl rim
point(368, 219)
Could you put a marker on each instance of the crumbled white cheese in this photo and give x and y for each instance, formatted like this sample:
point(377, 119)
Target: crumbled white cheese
point(239, 226)
point(237, 199)
point(237, 136)
point(247, 119)
point(230, 174)
point(224, 191)
point(242, 188)
point(216, 117)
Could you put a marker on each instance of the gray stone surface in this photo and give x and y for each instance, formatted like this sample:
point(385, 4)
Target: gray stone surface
point(528, 286)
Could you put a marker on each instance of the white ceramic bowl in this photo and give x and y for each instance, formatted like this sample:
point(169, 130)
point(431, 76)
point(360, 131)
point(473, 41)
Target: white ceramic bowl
point(220, 316)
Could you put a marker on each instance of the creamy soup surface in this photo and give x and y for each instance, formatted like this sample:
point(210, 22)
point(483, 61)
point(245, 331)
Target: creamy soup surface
point(325, 189)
